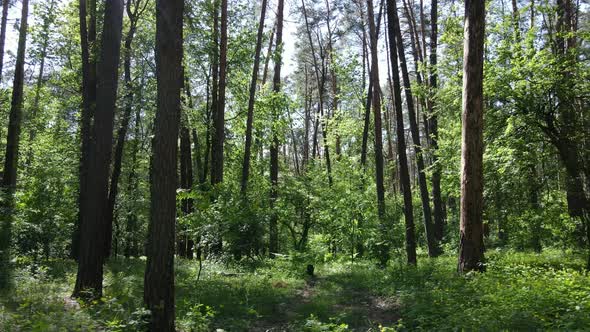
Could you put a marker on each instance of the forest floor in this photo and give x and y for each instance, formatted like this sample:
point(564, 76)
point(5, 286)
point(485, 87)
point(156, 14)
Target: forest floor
point(519, 291)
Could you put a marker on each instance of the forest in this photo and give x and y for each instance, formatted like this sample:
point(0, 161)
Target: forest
point(294, 165)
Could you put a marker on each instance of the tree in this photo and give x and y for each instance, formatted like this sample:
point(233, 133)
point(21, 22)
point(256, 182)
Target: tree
point(5, 5)
point(9, 178)
point(378, 144)
point(471, 246)
point(219, 114)
point(88, 52)
point(93, 228)
point(401, 140)
point(159, 271)
point(251, 97)
point(432, 125)
point(133, 13)
point(273, 246)
point(430, 240)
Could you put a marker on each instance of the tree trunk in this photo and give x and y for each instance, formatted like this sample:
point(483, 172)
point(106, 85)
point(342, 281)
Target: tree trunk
point(471, 246)
point(274, 146)
point(219, 115)
point(9, 178)
point(378, 144)
point(321, 80)
point(35, 109)
point(87, 44)
point(439, 214)
point(132, 13)
point(159, 271)
point(93, 227)
point(251, 99)
point(367, 118)
point(430, 240)
point(401, 141)
point(5, 5)
point(186, 183)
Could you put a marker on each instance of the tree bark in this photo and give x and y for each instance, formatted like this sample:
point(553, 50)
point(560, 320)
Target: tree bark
point(159, 272)
point(471, 246)
point(9, 179)
point(401, 142)
point(251, 99)
point(93, 228)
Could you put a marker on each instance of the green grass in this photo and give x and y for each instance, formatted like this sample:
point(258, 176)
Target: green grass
point(519, 291)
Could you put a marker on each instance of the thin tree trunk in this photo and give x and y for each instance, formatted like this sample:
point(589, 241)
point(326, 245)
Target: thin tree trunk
point(219, 117)
point(321, 79)
point(439, 211)
point(378, 143)
point(251, 99)
point(35, 109)
point(401, 141)
point(471, 246)
point(93, 228)
point(5, 5)
point(367, 118)
point(273, 246)
point(430, 240)
point(9, 179)
point(159, 271)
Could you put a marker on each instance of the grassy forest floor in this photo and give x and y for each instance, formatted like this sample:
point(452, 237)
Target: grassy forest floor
point(519, 291)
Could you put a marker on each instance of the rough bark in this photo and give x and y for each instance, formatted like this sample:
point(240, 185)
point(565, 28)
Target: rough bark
point(471, 246)
point(401, 143)
point(93, 223)
point(159, 272)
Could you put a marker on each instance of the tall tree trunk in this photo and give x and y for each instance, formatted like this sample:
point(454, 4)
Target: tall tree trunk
point(251, 99)
point(5, 5)
point(273, 246)
point(47, 21)
point(367, 118)
point(439, 211)
point(88, 51)
point(378, 144)
point(133, 15)
point(471, 246)
point(8, 186)
point(430, 240)
point(321, 80)
point(219, 115)
point(93, 228)
point(159, 271)
point(401, 141)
